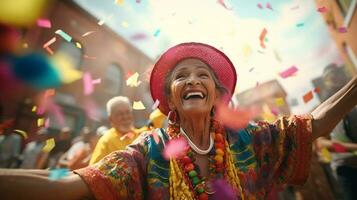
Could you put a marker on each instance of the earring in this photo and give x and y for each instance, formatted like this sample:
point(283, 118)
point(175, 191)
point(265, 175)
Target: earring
point(173, 118)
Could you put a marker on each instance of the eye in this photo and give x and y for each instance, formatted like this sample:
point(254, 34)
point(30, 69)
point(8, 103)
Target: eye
point(179, 76)
point(203, 75)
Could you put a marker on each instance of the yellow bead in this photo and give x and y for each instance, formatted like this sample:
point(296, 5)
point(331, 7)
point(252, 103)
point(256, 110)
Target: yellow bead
point(218, 159)
point(219, 152)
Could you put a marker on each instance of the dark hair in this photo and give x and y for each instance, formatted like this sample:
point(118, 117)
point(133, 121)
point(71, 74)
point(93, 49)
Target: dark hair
point(168, 79)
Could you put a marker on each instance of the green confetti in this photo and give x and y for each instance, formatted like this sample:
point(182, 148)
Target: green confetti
point(300, 24)
point(64, 35)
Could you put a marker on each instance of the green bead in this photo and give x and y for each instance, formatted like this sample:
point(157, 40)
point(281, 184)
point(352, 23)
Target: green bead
point(192, 173)
point(190, 154)
point(195, 180)
point(200, 190)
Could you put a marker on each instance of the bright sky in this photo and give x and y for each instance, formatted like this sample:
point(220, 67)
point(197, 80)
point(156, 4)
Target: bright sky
point(296, 35)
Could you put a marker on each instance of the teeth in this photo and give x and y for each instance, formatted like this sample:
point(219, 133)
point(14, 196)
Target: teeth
point(194, 94)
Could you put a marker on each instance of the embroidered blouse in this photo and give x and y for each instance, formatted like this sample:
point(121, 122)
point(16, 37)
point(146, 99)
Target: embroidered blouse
point(265, 155)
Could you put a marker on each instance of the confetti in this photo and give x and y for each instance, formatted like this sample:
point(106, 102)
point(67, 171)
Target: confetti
point(40, 122)
point(317, 90)
point(225, 4)
point(156, 104)
point(101, 22)
point(325, 155)
point(64, 35)
point(339, 148)
point(78, 45)
point(56, 174)
point(87, 83)
point(175, 148)
point(21, 132)
point(49, 50)
point(138, 36)
point(51, 41)
point(157, 32)
point(259, 5)
point(295, 7)
point(132, 81)
point(138, 1)
point(87, 33)
point(251, 69)
point(119, 2)
point(138, 105)
point(262, 37)
point(342, 30)
point(308, 96)
point(44, 23)
point(289, 72)
point(300, 24)
point(47, 123)
point(91, 109)
point(268, 5)
point(225, 116)
point(50, 144)
point(279, 101)
point(322, 9)
point(34, 108)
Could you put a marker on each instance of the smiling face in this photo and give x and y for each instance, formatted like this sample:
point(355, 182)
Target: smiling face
point(192, 88)
point(122, 117)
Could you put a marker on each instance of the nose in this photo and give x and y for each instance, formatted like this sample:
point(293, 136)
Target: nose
point(192, 80)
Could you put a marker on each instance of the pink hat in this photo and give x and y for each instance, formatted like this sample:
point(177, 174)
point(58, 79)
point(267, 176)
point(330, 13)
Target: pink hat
point(217, 60)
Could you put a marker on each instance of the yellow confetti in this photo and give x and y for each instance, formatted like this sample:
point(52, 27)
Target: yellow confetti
point(50, 144)
point(279, 101)
point(125, 24)
point(119, 2)
point(132, 81)
point(138, 105)
point(79, 46)
point(325, 155)
point(40, 122)
point(23, 133)
point(101, 22)
point(34, 109)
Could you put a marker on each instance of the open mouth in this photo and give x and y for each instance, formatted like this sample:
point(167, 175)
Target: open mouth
point(194, 95)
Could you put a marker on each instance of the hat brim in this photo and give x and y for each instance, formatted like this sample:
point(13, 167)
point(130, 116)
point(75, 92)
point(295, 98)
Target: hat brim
point(217, 60)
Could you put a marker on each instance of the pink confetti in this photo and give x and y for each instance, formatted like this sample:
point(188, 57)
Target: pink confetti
point(289, 72)
point(45, 23)
point(56, 111)
point(342, 30)
point(260, 5)
point(235, 119)
point(275, 111)
point(262, 37)
point(87, 83)
point(47, 122)
point(156, 104)
point(51, 41)
point(322, 9)
point(156, 137)
point(224, 4)
point(138, 36)
point(268, 5)
point(175, 148)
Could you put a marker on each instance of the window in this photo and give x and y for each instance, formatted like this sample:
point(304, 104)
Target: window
point(347, 8)
point(70, 51)
point(113, 80)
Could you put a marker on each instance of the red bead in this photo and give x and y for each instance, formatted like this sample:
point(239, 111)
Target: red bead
point(203, 196)
point(189, 167)
point(186, 160)
point(218, 137)
point(219, 146)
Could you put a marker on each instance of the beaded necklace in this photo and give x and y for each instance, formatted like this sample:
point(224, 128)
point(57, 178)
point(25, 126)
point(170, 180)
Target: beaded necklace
point(200, 187)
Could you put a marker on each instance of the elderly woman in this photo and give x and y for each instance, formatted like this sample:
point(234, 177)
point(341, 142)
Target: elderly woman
point(188, 80)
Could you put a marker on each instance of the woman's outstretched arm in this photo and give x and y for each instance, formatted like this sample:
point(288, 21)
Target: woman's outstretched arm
point(329, 113)
point(18, 184)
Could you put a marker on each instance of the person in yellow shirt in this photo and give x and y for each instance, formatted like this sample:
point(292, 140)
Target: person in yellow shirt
point(121, 134)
